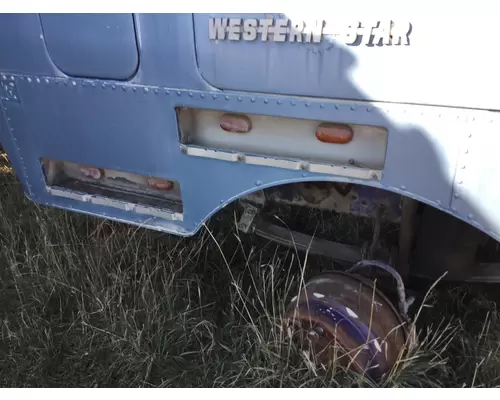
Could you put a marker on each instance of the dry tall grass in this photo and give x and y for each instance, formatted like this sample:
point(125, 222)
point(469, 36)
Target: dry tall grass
point(87, 302)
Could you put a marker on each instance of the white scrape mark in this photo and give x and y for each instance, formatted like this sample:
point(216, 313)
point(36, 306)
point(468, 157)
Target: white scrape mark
point(377, 345)
point(295, 298)
point(351, 313)
point(318, 295)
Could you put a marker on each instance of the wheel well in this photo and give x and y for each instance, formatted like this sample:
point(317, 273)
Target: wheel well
point(429, 241)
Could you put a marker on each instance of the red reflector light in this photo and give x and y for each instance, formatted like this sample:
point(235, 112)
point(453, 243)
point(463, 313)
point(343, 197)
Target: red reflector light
point(334, 133)
point(235, 123)
point(160, 184)
point(91, 172)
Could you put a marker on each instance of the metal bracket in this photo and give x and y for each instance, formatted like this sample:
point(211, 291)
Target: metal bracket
point(249, 213)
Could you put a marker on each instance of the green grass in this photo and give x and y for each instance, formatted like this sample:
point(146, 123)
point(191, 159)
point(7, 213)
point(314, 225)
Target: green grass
point(88, 302)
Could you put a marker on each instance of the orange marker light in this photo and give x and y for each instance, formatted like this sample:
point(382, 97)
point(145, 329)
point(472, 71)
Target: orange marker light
point(235, 123)
point(334, 133)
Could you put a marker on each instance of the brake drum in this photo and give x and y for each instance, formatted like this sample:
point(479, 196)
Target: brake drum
point(344, 319)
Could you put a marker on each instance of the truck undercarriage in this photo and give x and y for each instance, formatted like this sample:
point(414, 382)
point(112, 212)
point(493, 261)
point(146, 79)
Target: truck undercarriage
point(417, 239)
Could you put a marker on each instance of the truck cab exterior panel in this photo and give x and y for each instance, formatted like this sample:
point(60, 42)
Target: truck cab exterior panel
point(151, 133)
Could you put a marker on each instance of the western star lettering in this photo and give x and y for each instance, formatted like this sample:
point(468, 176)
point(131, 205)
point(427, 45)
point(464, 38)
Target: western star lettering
point(284, 30)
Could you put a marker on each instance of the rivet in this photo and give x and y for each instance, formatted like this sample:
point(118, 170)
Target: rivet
point(463, 166)
point(258, 183)
point(184, 149)
point(146, 90)
point(124, 88)
point(227, 97)
point(93, 84)
point(403, 187)
point(134, 89)
point(293, 103)
point(47, 81)
point(470, 216)
point(252, 99)
point(460, 182)
point(456, 195)
point(157, 91)
point(240, 157)
point(214, 96)
point(190, 94)
point(266, 101)
point(466, 151)
point(336, 106)
point(202, 95)
point(11, 78)
point(239, 98)
point(454, 209)
point(368, 109)
point(65, 83)
point(353, 108)
point(103, 86)
point(113, 87)
point(73, 83)
point(304, 174)
point(374, 175)
point(278, 102)
point(304, 165)
point(438, 202)
point(469, 135)
point(167, 93)
point(321, 106)
point(221, 201)
point(179, 93)
point(28, 79)
point(4, 77)
point(308, 104)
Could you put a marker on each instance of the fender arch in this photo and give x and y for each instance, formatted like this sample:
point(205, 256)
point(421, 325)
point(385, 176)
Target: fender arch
point(404, 193)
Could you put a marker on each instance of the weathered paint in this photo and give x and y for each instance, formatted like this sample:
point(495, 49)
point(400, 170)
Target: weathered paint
point(132, 125)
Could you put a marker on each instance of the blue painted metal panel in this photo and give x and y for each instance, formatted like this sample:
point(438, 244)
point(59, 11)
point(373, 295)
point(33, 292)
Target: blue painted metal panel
point(22, 49)
point(92, 45)
point(132, 126)
point(417, 73)
point(168, 56)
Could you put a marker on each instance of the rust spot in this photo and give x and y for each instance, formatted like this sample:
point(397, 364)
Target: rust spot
point(235, 123)
point(334, 133)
